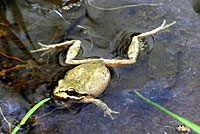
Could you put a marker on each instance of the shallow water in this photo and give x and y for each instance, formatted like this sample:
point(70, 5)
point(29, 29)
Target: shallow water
point(169, 75)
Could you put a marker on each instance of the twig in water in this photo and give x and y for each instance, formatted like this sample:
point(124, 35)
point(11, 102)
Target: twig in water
point(50, 112)
point(79, 26)
point(9, 125)
point(121, 7)
point(4, 71)
point(62, 17)
point(11, 57)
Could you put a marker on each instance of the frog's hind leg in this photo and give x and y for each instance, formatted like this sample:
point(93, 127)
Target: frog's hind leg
point(73, 51)
point(162, 27)
point(133, 50)
point(136, 43)
point(102, 105)
point(49, 48)
point(135, 46)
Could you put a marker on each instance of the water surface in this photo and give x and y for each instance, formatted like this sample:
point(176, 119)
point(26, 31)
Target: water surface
point(169, 75)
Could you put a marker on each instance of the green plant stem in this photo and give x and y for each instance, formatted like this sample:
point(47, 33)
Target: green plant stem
point(189, 124)
point(30, 112)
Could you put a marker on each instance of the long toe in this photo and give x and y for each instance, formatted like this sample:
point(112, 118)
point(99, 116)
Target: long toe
point(110, 112)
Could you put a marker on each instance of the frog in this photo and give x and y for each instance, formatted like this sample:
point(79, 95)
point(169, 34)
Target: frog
point(85, 82)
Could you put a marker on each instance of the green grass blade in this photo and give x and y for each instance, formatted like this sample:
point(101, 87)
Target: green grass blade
point(30, 112)
point(189, 124)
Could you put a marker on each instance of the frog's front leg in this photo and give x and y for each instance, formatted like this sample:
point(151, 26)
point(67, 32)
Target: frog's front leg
point(102, 105)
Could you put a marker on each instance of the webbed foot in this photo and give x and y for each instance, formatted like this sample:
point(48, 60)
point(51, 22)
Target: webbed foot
point(109, 112)
point(102, 105)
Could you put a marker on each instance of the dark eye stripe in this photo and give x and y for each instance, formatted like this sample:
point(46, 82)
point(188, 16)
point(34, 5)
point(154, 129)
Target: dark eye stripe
point(73, 92)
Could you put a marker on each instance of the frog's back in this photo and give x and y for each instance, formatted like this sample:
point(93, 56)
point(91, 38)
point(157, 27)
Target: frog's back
point(92, 78)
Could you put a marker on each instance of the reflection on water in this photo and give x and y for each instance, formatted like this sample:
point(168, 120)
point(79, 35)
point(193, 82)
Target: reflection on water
point(26, 78)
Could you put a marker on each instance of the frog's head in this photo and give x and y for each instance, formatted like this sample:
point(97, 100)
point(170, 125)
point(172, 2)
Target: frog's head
point(67, 93)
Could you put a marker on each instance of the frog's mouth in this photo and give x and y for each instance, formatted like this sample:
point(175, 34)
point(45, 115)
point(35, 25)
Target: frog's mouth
point(69, 94)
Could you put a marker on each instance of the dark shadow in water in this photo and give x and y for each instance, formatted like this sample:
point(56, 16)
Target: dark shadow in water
point(196, 6)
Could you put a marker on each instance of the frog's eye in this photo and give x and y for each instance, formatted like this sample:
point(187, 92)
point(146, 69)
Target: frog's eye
point(71, 92)
point(71, 89)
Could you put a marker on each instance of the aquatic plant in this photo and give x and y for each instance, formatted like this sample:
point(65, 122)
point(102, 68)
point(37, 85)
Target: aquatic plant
point(189, 124)
point(30, 112)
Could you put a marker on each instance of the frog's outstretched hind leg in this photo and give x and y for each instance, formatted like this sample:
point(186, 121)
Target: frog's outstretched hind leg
point(134, 47)
point(162, 27)
point(49, 48)
point(102, 105)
